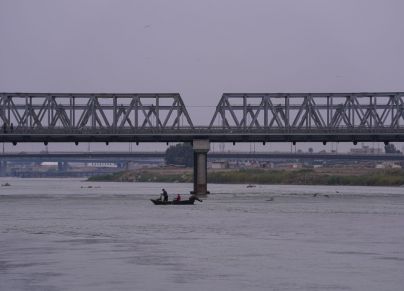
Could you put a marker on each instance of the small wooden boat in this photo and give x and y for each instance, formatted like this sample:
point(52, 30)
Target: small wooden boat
point(190, 201)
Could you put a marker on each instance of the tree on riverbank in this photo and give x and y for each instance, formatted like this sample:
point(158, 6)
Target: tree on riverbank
point(369, 177)
point(391, 149)
point(180, 154)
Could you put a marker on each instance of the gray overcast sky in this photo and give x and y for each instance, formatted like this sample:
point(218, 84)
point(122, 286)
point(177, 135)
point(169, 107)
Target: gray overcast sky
point(201, 48)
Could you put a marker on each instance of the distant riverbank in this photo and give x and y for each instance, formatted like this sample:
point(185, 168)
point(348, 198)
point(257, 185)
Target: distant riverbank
point(332, 176)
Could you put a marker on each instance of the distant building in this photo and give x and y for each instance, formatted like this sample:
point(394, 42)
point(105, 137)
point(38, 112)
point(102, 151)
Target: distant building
point(49, 164)
point(385, 165)
point(219, 165)
point(102, 165)
point(366, 150)
point(297, 166)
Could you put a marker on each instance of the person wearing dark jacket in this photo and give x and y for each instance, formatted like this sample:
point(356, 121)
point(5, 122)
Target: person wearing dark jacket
point(164, 195)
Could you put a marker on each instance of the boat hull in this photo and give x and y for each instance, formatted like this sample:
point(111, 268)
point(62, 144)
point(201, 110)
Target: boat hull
point(182, 202)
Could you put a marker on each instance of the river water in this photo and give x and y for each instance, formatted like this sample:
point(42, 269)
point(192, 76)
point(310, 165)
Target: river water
point(68, 234)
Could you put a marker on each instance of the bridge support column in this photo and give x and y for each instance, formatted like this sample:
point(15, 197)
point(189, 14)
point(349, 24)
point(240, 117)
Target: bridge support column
point(3, 168)
point(62, 166)
point(201, 148)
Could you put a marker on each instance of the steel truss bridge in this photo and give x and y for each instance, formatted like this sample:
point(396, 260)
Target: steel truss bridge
point(266, 117)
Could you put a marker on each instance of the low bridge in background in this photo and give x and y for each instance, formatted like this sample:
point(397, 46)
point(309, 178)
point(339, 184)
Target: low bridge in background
point(239, 117)
point(122, 157)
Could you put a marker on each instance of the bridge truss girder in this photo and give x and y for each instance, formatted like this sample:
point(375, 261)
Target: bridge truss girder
point(301, 111)
point(36, 112)
point(282, 117)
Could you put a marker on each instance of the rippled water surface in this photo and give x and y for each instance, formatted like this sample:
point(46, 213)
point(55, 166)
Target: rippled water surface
point(68, 234)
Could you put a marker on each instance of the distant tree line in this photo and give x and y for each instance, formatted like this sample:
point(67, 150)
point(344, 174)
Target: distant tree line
point(391, 149)
point(180, 154)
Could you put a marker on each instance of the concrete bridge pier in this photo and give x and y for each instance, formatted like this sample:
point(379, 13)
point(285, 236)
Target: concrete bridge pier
point(3, 168)
point(201, 148)
point(62, 166)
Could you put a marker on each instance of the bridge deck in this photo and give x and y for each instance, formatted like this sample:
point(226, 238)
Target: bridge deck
point(212, 134)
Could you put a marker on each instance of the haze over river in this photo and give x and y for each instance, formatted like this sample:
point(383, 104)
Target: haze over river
point(58, 234)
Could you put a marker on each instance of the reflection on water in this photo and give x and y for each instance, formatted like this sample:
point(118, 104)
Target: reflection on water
point(63, 235)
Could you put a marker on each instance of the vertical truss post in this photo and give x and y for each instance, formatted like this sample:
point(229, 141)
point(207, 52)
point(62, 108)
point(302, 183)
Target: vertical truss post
point(391, 109)
point(48, 105)
point(265, 101)
point(115, 113)
point(177, 109)
point(136, 112)
point(244, 112)
point(157, 111)
point(328, 111)
point(287, 111)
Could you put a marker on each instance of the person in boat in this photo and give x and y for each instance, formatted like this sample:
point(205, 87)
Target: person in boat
point(193, 198)
point(178, 198)
point(164, 195)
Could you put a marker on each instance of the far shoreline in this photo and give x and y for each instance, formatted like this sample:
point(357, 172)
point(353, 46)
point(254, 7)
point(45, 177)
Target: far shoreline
point(323, 176)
